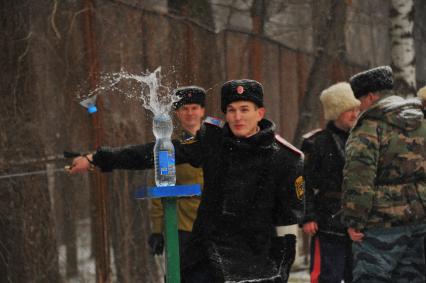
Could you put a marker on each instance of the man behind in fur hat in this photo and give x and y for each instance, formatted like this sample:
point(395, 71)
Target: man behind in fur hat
point(384, 185)
point(331, 257)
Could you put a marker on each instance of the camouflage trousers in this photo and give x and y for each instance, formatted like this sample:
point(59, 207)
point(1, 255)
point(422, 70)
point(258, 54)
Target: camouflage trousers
point(390, 255)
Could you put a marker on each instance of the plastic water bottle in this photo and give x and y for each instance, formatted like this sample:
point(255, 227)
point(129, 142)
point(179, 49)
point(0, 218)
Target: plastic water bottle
point(164, 151)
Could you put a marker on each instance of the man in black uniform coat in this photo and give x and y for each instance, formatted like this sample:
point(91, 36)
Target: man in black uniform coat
point(252, 183)
point(331, 257)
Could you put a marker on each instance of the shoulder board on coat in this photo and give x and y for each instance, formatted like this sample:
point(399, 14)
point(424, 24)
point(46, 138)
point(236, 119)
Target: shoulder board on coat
point(214, 121)
point(288, 145)
point(311, 133)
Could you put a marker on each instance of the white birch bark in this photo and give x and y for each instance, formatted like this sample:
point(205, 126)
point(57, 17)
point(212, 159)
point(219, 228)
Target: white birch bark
point(402, 45)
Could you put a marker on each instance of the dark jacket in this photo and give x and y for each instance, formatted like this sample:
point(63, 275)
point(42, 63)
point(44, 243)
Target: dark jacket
point(324, 161)
point(249, 188)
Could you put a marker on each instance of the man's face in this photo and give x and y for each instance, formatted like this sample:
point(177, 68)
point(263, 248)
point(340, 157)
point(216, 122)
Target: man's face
point(347, 119)
point(367, 100)
point(190, 116)
point(242, 117)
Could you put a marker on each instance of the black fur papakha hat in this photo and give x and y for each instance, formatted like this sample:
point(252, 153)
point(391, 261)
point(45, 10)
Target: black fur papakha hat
point(376, 79)
point(244, 89)
point(189, 95)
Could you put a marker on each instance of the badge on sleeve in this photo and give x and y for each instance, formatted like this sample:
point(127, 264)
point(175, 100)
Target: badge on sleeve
point(299, 184)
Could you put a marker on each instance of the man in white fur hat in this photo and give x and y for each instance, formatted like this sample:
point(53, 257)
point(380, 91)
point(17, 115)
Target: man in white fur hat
point(331, 258)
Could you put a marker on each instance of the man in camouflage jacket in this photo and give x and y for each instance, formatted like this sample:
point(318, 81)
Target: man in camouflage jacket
point(384, 186)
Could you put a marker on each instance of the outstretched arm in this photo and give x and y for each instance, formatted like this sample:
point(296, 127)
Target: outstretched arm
point(108, 159)
point(134, 157)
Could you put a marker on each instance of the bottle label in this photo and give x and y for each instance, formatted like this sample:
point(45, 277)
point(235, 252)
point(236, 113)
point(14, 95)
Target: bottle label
point(165, 161)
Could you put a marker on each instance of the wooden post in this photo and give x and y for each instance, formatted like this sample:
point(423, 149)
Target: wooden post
point(99, 193)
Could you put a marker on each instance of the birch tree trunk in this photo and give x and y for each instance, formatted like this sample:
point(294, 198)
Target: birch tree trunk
point(403, 53)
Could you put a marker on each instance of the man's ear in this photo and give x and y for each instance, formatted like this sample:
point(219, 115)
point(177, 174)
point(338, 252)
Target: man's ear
point(261, 112)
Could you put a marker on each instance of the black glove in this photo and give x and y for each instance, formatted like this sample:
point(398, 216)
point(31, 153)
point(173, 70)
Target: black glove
point(156, 243)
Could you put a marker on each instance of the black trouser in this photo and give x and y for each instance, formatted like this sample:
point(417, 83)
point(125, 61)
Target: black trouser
point(331, 258)
point(198, 268)
point(184, 239)
point(200, 273)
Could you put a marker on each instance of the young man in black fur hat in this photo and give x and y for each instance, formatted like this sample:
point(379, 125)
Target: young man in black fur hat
point(252, 183)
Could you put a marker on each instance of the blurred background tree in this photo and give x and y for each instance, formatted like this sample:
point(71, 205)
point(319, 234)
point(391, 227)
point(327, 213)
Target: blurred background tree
point(57, 228)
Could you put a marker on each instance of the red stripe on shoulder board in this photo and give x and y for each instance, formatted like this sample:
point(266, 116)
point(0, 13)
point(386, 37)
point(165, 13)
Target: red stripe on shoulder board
point(288, 145)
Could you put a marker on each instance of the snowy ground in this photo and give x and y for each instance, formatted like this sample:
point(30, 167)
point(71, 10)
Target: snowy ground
point(86, 264)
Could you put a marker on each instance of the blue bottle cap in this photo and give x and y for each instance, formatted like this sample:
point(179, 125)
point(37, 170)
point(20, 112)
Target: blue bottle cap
point(92, 109)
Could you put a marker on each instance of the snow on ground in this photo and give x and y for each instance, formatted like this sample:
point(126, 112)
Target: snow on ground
point(86, 263)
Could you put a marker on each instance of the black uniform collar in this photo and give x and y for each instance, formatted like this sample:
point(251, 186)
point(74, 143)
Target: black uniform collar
point(332, 127)
point(264, 138)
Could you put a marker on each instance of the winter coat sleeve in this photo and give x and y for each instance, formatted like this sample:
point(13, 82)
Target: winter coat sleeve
point(140, 157)
point(362, 154)
point(128, 157)
point(311, 172)
point(291, 192)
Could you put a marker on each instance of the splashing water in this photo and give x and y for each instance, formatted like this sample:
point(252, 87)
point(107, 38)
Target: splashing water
point(154, 96)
